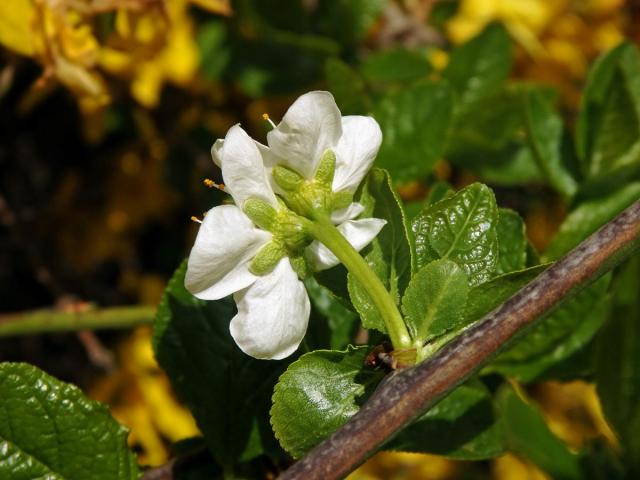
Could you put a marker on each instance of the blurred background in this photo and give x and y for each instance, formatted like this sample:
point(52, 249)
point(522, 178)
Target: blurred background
point(108, 109)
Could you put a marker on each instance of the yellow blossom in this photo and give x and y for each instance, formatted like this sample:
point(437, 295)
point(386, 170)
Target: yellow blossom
point(558, 40)
point(148, 46)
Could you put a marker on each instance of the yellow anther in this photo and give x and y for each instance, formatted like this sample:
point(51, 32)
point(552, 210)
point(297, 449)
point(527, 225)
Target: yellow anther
point(265, 117)
point(195, 219)
point(211, 184)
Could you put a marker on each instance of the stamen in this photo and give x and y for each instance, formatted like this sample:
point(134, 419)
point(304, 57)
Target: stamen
point(211, 184)
point(265, 116)
point(196, 219)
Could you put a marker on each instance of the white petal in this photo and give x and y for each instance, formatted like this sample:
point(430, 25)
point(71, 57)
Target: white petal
point(349, 213)
point(356, 151)
point(243, 168)
point(218, 264)
point(273, 314)
point(216, 152)
point(310, 126)
point(359, 233)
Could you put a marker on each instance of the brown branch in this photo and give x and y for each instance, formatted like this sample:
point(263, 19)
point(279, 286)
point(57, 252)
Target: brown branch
point(407, 394)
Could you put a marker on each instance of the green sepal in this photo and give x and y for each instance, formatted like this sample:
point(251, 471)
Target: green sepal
point(326, 168)
point(341, 200)
point(287, 179)
point(260, 213)
point(300, 266)
point(292, 231)
point(267, 258)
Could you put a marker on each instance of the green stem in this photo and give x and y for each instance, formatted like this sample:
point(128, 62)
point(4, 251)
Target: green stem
point(43, 321)
point(326, 233)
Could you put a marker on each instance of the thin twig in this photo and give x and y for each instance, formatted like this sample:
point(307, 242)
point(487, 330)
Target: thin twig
point(407, 394)
point(43, 321)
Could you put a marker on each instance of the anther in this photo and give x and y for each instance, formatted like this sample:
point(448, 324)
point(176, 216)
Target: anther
point(211, 184)
point(196, 219)
point(265, 117)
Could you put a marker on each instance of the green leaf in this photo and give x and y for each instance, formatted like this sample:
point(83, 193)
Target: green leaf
point(486, 128)
point(414, 125)
point(588, 217)
point(514, 166)
point(390, 255)
point(323, 389)
point(395, 66)
point(227, 391)
point(479, 67)
point(346, 85)
point(593, 96)
point(487, 296)
point(512, 242)
point(335, 280)
point(462, 228)
point(608, 128)
point(606, 183)
point(214, 55)
point(545, 133)
point(526, 433)
point(340, 324)
point(345, 21)
point(438, 191)
point(617, 362)
point(50, 430)
point(487, 138)
point(557, 337)
point(461, 426)
point(317, 394)
point(434, 300)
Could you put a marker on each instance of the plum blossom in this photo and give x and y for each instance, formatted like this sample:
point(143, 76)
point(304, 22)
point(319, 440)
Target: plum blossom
point(258, 249)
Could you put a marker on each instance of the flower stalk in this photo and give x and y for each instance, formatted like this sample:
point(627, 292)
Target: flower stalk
point(326, 233)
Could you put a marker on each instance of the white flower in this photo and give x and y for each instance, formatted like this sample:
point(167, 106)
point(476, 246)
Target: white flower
point(273, 307)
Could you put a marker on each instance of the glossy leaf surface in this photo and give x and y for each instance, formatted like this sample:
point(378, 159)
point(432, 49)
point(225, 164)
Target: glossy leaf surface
point(317, 394)
point(462, 228)
point(50, 430)
point(434, 300)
